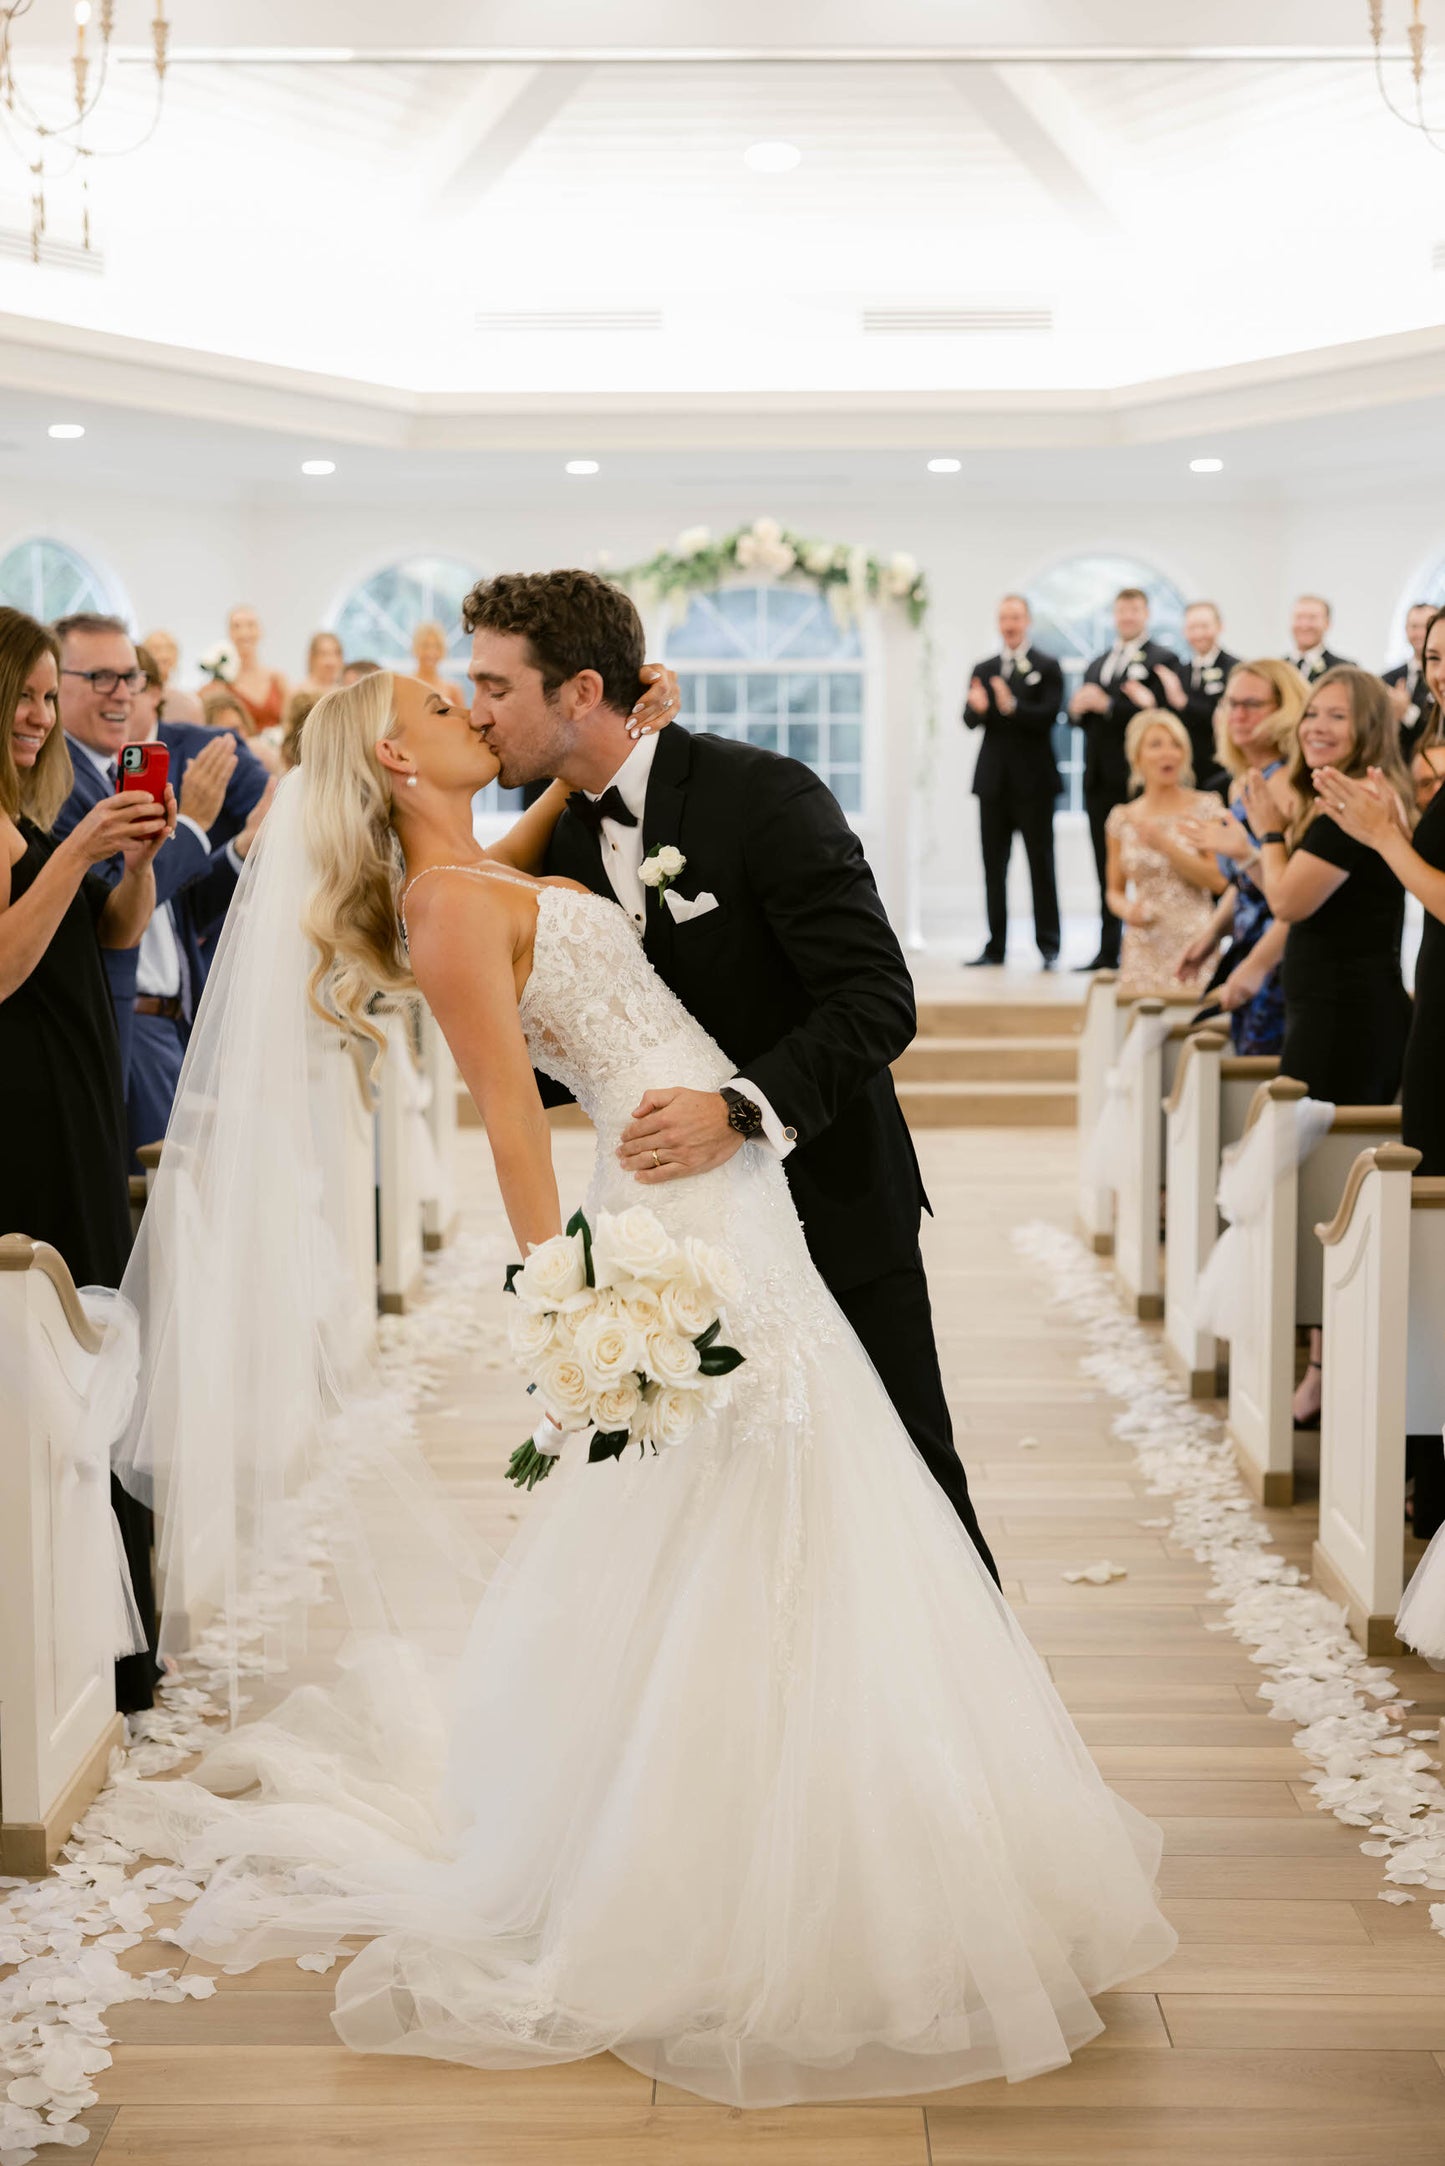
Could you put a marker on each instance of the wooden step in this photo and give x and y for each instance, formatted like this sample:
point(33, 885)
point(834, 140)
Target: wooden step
point(988, 1060)
point(1000, 1018)
point(988, 1105)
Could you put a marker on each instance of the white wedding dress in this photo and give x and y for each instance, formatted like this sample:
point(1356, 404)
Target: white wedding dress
point(747, 1773)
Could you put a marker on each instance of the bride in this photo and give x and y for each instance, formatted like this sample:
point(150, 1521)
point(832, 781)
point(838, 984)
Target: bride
point(746, 1772)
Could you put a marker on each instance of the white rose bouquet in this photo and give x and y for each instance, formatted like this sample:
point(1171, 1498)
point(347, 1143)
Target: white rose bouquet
point(620, 1333)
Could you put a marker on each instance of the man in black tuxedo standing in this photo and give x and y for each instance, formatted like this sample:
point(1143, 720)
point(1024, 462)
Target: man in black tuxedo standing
point(1197, 688)
point(1309, 627)
point(772, 935)
point(1117, 684)
point(1015, 698)
point(1409, 693)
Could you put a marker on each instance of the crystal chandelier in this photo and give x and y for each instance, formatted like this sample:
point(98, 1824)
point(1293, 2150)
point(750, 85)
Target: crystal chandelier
point(56, 146)
point(1415, 34)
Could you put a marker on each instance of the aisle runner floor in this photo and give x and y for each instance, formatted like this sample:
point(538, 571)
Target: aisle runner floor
point(1301, 2020)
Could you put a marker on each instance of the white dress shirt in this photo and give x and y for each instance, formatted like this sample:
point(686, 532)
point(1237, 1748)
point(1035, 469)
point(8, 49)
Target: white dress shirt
point(158, 966)
point(1122, 655)
point(622, 856)
point(1310, 661)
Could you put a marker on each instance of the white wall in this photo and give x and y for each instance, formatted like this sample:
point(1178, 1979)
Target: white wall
point(182, 562)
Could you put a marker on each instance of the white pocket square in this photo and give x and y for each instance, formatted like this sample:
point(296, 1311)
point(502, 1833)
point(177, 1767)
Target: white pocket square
point(684, 907)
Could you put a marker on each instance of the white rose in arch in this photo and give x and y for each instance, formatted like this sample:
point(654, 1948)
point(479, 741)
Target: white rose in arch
point(767, 531)
point(687, 1309)
point(633, 1245)
point(746, 553)
point(669, 1357)
point(555, 1272)
point(818, 557)
point(565, 1391)
point(671, 1416)
point(530, 1333)
point(693, 540)
point(608, 1348)
point(617, 1406)
point(857, 565)
point(714, 1270)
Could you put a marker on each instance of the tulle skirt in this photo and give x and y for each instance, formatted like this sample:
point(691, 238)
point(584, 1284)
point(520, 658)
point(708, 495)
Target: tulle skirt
point(747, 1773)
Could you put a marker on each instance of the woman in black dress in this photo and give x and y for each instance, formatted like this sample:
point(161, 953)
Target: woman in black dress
point(1366, 811)
point(63, 1178)
point(1346, 1011)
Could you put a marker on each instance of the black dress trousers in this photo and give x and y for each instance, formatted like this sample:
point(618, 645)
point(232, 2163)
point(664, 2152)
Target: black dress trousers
point(1000, 818)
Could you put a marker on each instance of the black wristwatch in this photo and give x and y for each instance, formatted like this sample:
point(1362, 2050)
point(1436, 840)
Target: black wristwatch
point(743, 1115)
point(1274, 835)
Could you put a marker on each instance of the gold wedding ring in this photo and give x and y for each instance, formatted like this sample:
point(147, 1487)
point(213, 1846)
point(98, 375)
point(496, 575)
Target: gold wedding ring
point(656, 1159)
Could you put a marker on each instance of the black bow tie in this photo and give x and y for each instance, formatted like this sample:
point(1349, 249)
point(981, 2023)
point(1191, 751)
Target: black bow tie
point(611, 805)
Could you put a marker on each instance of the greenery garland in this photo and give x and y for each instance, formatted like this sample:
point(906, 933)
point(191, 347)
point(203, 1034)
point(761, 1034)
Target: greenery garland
point(845, 573)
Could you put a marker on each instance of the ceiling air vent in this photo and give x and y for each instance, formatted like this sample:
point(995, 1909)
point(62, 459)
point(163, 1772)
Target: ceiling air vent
point(59, 255)
point(954, 322)
point(567, 320)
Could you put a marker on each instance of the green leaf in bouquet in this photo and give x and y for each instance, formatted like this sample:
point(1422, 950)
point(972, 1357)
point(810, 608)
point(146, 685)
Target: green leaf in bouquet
point(608, 1444)
point(709, 1335)
point(507, 1285)
point(721, 1361)
point(578, 1224)
point(527, 1466)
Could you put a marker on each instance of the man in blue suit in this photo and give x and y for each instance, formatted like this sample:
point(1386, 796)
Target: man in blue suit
point(106, 701)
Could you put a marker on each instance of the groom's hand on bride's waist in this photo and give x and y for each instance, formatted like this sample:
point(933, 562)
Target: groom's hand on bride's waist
point(676, 1133)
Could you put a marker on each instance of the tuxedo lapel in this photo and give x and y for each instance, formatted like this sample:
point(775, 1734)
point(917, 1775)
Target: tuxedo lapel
point(662, 824)
point(576, 854)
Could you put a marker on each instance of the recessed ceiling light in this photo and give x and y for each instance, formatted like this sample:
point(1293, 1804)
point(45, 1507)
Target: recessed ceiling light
point(67, 431)
point(583, 466)
point(772, 157)
point(945, 466)
point(318, 466)
point(1206, 466)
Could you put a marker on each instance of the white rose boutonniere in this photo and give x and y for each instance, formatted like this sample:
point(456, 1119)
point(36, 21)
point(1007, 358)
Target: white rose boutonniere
point(661, 866)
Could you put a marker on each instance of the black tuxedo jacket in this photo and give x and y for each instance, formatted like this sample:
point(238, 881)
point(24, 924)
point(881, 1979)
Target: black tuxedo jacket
point(1016, 757)
point(1326, 661)
point(797, 975)
point(1106, 770)
point(1412, 732)
point(1201, 699)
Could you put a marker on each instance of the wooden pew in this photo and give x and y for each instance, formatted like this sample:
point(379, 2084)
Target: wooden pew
point(58, 1722)
point(439, 1216)
point(399, 1170)
point(1148, 1079)
point(1100, 1037)
point(1384, 1379)
point(1205, 1111)
point(1286, 1279)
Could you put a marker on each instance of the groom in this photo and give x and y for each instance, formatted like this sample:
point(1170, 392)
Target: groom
point(771, 934)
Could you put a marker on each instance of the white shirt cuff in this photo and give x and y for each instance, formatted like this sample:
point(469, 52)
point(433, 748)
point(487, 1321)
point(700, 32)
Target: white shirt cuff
point(782, 1139)
point(234, 858)
point(184, 819)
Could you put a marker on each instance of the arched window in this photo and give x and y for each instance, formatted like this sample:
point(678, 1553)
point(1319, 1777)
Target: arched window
point(1073, 617)
point(773, 667)
point(376, 620)
point(47, 580)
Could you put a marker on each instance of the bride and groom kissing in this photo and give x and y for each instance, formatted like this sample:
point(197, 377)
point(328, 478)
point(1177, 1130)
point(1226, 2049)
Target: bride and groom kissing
point(745, 1772)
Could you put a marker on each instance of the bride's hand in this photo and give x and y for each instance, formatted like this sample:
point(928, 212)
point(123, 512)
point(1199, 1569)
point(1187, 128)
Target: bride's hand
point(658, 705)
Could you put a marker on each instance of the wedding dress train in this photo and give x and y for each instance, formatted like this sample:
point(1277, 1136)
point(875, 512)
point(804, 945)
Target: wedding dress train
point(747, 1772)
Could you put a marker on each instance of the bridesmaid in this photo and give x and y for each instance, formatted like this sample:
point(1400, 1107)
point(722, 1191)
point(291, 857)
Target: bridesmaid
point(429, 651)
point(1156, 883)
point(261, 691)
point(325, 660)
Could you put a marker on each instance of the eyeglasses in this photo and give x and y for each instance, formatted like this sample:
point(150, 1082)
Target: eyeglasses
point(1250, 706)
point(106, 681)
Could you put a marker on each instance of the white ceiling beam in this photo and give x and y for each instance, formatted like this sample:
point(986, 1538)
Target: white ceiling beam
point(1040, 124)
point(497, 119)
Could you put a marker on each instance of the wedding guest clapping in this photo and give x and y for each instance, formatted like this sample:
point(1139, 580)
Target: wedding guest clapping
point(1309, 627)
point(1196, 687)
point(1015, 698)
point(1255, 729)
point(1157, 886)
point(1410, 696)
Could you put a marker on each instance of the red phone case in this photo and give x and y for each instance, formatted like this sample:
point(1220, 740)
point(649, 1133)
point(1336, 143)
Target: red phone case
point(146, 768)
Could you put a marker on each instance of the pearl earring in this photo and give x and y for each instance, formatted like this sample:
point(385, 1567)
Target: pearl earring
point(411, 782)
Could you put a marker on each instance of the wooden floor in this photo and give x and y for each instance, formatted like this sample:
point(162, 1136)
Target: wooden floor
point(1301, 2020)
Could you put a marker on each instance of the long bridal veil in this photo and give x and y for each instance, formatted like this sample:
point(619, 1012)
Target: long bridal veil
point(258, 1428)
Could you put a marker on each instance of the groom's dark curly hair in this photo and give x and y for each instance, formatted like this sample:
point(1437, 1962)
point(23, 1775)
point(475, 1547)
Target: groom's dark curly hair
point(571, 620)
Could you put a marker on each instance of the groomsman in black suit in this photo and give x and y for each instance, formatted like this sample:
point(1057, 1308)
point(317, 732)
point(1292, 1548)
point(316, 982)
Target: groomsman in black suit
point(1198, 687)
point(1309, 627)
point(1116, 686)
point(1015, 698)
point(1409, 694)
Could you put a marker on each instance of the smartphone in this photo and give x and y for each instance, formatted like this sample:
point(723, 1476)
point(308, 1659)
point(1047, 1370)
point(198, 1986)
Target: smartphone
point(146, 768)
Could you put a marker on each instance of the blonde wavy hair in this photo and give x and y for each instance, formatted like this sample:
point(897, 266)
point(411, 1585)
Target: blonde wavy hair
point(1157, 718)
point(354, 916)
point(1291, 697)
point(1376, 744)
point(35, 793)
